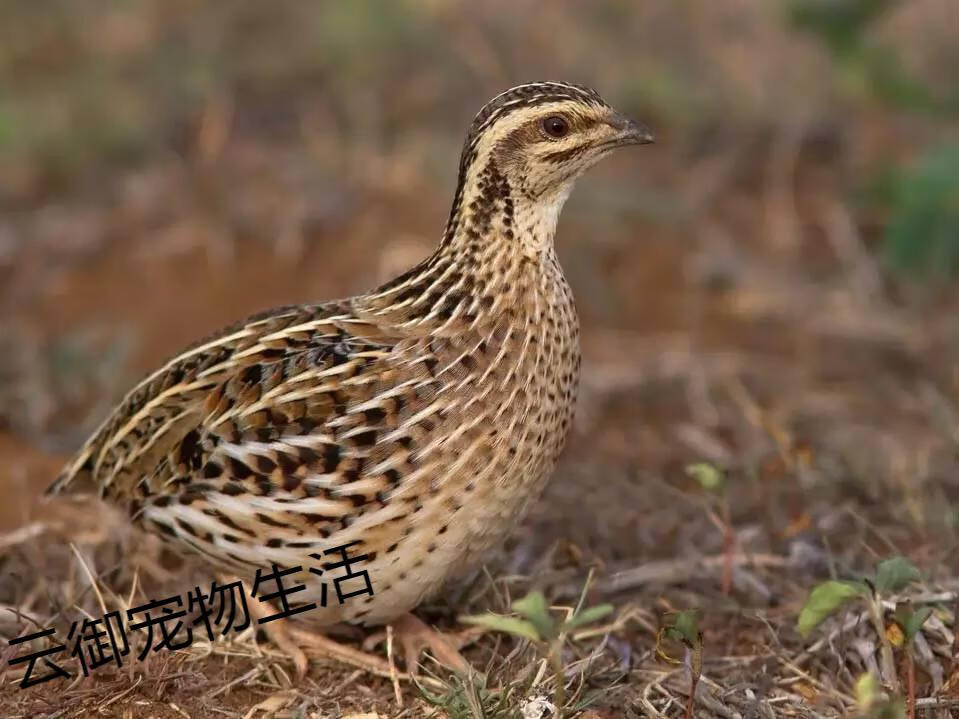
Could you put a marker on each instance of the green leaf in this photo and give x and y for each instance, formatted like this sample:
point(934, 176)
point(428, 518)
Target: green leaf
point(918, 618)
point(824, 601)
point(894, 574)
point(910, 620)
point(510, 625)
point(709, 477)
point(685, 626)
point(586, 616)
point(534, 607)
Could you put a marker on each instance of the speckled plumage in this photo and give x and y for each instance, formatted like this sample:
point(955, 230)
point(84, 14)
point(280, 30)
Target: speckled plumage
point(419, 419)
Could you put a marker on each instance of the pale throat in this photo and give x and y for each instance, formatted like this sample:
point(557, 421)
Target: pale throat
point(536, 219)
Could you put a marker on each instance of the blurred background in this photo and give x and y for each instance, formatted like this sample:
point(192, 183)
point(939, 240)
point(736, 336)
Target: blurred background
point(770, 288)
point(169, 166)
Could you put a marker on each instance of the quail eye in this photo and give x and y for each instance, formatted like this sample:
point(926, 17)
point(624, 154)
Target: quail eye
point(555, 126)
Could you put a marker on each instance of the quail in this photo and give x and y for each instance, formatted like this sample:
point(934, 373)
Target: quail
point(413, 423)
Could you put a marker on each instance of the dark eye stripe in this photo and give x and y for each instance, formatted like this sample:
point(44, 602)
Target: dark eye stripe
point(564, 155)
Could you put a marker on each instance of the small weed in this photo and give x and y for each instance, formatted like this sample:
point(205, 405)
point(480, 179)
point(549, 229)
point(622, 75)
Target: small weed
point(537, 624)
point(891, 576)
point(827, 598)
point(683, 627)
point(713, 480)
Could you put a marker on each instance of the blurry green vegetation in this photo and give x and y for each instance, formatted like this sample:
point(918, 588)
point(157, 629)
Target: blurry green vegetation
point(841, 24)
point(922, 200)
point(923, 231)
point(867, 66)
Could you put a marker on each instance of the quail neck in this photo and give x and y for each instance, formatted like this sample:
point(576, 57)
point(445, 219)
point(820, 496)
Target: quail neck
point(416, 421)
point(522, 155)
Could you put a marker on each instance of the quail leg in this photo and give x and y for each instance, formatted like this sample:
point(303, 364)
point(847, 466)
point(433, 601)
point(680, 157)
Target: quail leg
point(414, 636)
point(301, 644)
point(313, 644)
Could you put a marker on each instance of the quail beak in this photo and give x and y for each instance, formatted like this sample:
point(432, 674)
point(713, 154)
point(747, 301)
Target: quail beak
point(630, 131)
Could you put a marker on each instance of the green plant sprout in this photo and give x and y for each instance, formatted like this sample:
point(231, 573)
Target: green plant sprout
point(683, 627)
point(829, 597)
point(537, 624)
point(892, 575)
point(713, 480)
